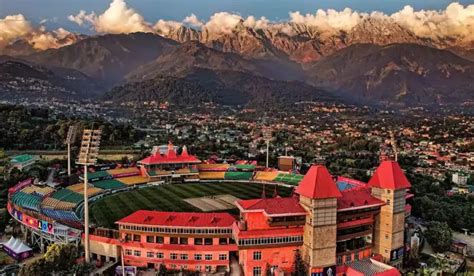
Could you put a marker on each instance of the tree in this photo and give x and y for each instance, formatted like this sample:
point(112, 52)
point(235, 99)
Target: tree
point(268, 270)
point(300, 267)
point(59, 258)
point(162, 270)
point(439, 236)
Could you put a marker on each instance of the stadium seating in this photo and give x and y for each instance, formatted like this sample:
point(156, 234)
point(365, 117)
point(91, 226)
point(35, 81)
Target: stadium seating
point(133, 180)
point(38, 190)
point(99, 175)
point(245, 167)
point(53, 203)
point(212, 175)
point(238, 175)
point(266, 176)
point(68, 195)
point(213, 167)
point(79, 188)
point(124, 171)
point(111, 184)
point(29, 201)
point(292, 179)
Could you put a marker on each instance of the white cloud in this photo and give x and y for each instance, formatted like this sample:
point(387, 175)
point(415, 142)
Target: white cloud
point(330, 19)
point(13, 27)
point(193, 21)
point(118, 18)
point(223, 22)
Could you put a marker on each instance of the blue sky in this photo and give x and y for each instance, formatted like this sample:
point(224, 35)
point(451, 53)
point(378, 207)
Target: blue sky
point(36, 10)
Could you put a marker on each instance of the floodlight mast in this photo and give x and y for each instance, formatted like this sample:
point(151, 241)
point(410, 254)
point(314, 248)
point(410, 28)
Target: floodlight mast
point(267, 136)
point(88, 156)
point(71, 136)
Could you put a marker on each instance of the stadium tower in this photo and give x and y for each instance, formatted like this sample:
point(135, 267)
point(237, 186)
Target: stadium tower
point(318, 196)
point(389, 184)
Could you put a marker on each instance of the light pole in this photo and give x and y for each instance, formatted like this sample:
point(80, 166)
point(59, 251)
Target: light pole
point(88, 156)
point(267, 136)
point(71, 136)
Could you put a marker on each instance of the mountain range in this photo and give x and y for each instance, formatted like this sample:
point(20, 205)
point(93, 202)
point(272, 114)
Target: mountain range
point(376, 62)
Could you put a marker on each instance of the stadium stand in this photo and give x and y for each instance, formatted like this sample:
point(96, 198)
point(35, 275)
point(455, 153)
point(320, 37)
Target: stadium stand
point(238, 175)
point(292, 179)
point(245, 167)
point(29, 201)
point(116, 173)
point(133, 180)
point(53, 203)
point(110, 184)
point(38, 190)
point(213, 167)
point(67, 195)
point(212, 175)
point(99, 175)
point(266, 176)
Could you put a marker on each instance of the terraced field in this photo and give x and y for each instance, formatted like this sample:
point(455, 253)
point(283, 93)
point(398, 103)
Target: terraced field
point(169, 197)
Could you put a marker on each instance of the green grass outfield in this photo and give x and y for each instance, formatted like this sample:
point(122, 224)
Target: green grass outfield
point(169, 197)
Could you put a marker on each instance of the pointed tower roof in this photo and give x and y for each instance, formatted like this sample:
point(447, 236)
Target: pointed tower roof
point(318, 184)
point(389, 175)
point(171, 151)
point(185, 153)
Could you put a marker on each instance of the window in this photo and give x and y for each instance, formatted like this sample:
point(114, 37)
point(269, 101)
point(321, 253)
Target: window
point(339, 260)
point(386, 237)
point(184, 267)
point(356, 256)
point(150, 255)
point(128, 237)
point(173, 256)
point(257, 271)
point(198, 241)
point(208, 257)
point(173, 240)
point(198, 257)
point(183, 256)
point(208, 241)
point(197, 268)
point(183, 241)
point(128, 252)
point(348, 258)
point(208, 268)
point(222, 257)
point(137, 253)
point(388, 201)
point(223, 241)
point(150, 239)
point(173, 266)
point(136, 238)
point(257, 255)
point(160, 255)
point(160, 239)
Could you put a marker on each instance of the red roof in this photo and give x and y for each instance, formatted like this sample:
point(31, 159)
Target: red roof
point(170, 157)
point(273, 206)
point(389, 175)
point(318, 184)
point(179, 219)
point(357, 198)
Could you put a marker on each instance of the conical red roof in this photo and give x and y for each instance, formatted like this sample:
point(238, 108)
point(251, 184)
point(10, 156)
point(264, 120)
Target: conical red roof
point(318, 184)
point(389, 175)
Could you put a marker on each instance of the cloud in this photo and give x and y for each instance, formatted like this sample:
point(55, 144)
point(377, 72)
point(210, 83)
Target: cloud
point(164, 27)
point(118, 18)
point(455, 20)
point(223, 22)
point(330, 19)
point(193, 21)
point(15, 27)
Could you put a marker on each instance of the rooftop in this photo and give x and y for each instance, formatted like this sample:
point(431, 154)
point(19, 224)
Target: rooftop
point(357, 198)
point(179, 219)
point(170, 157)
point(318, 184)
point(276, 206)
point(389, 175)
point(370, 267)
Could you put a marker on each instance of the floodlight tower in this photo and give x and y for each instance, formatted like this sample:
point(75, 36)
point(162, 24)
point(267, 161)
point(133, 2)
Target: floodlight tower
point(71, 136)
point(88, 156)
point(394, 145)
point(267, 136)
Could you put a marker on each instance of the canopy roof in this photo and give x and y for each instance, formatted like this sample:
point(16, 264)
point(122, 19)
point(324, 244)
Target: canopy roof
point(17, 246)
point(171, 157)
